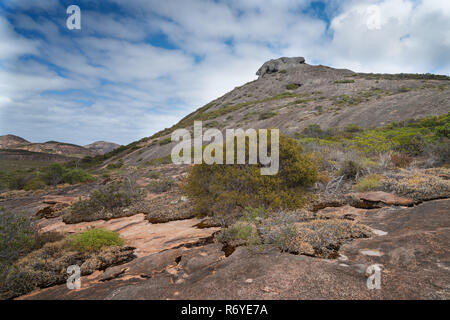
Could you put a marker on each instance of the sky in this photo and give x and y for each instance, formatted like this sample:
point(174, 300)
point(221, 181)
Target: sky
point(138, 66)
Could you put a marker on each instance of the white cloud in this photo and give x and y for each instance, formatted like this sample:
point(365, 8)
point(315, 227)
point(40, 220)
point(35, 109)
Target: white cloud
point(411, 37)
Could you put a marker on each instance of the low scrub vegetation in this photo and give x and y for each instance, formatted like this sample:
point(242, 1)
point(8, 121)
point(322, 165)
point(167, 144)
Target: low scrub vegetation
point(368, 183)
point(267, 115)
point(157, 161)
point(205, 113)
point(18, 237)
point(420, 185)
point(165, 141)
point(115, 165)
point(296, 232)
point(408, 138)
point(104, 203)
point(292, 86)
point(401, 160)
point(46, 265)
point(35, 179)
point(345, 81)
point(403, 76)
point(161, 186)
point(351, 169)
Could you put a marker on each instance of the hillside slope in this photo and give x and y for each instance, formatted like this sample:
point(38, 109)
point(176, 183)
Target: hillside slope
point(291, 95)
point(102, 147)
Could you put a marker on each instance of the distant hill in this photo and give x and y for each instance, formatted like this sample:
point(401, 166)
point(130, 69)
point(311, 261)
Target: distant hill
point(10, 140)
point(14, 148)
point(54, 147)
point(102, 147)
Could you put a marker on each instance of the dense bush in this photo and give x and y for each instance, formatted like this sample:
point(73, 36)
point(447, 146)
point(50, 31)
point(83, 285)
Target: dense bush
point(223, 189)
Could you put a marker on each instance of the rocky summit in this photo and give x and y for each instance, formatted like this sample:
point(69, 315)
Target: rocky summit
point(280, 64)
point(359, 210)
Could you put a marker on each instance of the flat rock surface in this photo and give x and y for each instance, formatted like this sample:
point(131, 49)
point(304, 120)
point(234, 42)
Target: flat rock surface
point(411, 249)
point(387, 198)
point(146, 237)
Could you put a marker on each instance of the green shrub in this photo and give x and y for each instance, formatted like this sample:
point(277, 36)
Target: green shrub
point(444, 130)
point(94, 239)
point(116, 165)
point(165, 141)
point(47, 266)
point(323, 238)
point(345, 81)
point(53, 175)
point(223, 189)
point(267, 115)
point(104, 202)
point(17, 236)
point(292, 86)
point(35, 184)
point(18, 180)
point(352, 128)
point(75, 175)
point(350, 169)
point(314, 131)
point(163, 160)
point(213, 124)
point(368, 183)
point(154, 175)
point(161, 186)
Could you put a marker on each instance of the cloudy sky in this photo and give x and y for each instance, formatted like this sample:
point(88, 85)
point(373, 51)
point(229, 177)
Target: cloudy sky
point(138, 66)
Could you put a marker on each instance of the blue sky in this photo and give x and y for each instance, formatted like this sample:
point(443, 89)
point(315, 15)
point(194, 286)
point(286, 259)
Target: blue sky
point(138, 66)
